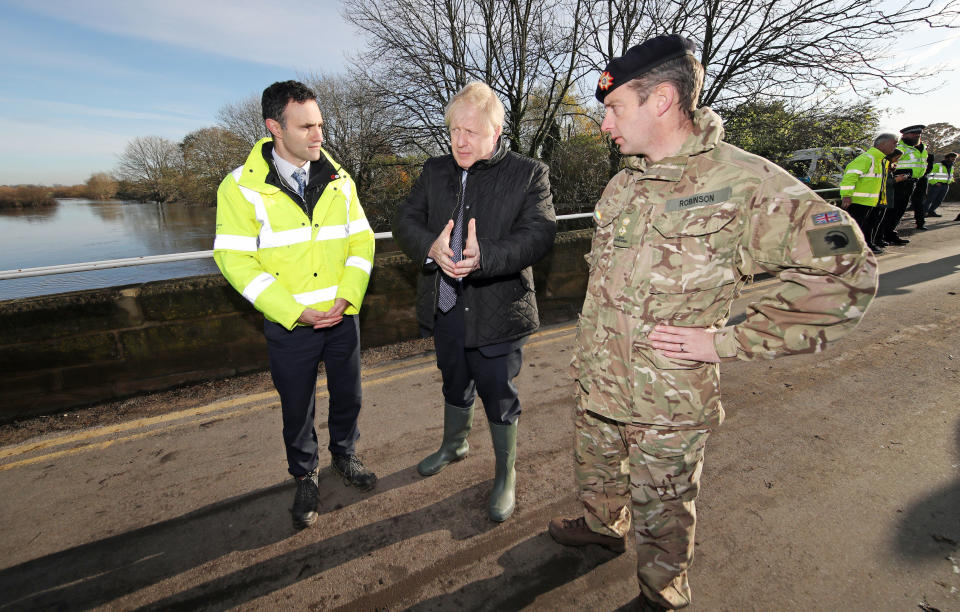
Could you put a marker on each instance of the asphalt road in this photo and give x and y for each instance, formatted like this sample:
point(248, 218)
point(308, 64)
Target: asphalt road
point(833, 485)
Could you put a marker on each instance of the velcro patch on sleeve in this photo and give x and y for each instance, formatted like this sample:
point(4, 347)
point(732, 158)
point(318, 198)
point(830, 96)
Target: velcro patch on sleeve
point(829, 241)
point(831, 216)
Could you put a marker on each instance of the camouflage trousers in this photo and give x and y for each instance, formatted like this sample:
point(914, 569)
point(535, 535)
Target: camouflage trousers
point(652, 474)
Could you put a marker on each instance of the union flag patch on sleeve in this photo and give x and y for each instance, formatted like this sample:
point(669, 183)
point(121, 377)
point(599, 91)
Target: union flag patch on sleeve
point(831, 216)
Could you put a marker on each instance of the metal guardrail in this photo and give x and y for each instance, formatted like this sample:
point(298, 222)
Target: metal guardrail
point(156, 259)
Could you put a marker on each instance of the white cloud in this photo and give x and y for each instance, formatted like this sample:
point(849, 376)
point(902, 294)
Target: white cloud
point(59, 109)
point(294, 34)
point(926, 51)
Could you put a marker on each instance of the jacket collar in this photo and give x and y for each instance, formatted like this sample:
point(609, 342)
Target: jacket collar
point(706, 135)
point(260, 173)
point(482, 164)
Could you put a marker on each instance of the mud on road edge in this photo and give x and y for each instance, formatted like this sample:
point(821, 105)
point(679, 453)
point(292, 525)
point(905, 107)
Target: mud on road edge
point(179, 398)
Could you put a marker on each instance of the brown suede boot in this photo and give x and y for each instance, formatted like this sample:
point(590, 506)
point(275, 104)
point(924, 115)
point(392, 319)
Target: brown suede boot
point(645, 605)
point(574, 532)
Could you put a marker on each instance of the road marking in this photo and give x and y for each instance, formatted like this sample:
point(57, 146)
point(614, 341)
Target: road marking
point(105, 443)
point(97, 432)
point(239, 405)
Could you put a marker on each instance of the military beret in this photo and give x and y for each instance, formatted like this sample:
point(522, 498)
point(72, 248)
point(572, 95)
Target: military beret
point(913, 129)
point(641, 59)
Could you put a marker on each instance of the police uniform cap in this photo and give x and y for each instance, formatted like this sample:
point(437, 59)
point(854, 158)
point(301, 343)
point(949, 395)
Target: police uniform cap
point(642, 58)
point(913, 129)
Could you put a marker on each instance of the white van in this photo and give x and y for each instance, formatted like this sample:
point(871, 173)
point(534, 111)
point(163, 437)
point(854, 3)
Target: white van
point(821, 166)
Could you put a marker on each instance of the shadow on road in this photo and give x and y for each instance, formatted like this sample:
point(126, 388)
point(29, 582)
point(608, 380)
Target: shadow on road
point(463, 514)
point(893, 283)
point(931, 526)
point(531, 568)
point(99, 572)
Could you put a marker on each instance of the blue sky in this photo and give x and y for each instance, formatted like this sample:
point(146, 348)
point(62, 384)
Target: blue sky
point(82, 78)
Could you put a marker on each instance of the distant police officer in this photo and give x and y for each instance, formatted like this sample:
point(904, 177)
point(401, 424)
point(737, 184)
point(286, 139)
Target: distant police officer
point(679, 232)
point(940, 178)
point(293, 239)
point(913, 165)
point(862, 185)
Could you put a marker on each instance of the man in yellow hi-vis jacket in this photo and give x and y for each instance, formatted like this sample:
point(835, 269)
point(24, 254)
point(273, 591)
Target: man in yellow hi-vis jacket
point(293, 240)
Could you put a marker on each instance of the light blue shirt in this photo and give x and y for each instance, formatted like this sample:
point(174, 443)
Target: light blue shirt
point(286, 170)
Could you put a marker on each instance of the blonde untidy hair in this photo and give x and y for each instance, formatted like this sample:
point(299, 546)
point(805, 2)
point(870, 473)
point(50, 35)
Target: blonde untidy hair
point(478, 95)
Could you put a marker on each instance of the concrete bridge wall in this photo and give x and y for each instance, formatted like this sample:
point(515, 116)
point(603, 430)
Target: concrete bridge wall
point(62, 351)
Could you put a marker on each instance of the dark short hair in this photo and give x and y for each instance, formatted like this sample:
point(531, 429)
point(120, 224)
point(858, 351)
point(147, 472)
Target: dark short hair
point(685, 73)
point(276, 97)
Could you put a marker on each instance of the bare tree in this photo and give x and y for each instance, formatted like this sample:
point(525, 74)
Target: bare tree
point(152, 164)
point(427, 50)
point(768, 49)
point(358, 123)
point(244, 118)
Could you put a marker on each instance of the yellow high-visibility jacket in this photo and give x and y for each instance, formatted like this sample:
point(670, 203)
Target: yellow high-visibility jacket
point(863, 178)
point(913, 159)
point(278, 258)
point(939, 174)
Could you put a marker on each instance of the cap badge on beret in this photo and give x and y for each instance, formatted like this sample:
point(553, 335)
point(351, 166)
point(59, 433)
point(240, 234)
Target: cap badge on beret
point(640, 59)
point(606, 81)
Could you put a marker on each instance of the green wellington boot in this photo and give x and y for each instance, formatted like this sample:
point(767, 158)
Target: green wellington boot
point(505, 449)
point(456, 426)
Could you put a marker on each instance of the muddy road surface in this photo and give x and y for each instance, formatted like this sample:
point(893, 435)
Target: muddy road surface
point(834, 484)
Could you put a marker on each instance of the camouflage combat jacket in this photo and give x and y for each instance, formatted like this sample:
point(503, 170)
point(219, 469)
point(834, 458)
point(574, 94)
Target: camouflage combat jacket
point(675, 242)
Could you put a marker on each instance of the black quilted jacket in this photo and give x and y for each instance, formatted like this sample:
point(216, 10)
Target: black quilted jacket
point(509, 196)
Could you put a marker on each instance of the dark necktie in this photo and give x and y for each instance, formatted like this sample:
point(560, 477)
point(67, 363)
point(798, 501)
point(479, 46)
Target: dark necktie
point(448, 288)
point(300, 175)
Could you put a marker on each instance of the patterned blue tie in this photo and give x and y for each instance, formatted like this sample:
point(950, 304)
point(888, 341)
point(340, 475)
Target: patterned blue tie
point(448, 288)
point(300, 175)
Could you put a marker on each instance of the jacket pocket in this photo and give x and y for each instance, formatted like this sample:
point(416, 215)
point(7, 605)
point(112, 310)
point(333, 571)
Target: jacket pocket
point(600, 249)
point(642, 354)
point(694, 250)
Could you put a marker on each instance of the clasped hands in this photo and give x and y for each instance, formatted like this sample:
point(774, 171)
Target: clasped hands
point(442, 254)
point(320, 319)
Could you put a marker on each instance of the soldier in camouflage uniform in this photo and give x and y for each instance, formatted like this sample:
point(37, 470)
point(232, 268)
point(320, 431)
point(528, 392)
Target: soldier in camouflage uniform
point(679, 231)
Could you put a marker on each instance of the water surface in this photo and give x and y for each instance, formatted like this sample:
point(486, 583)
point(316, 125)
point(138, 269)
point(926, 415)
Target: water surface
point(74, 231)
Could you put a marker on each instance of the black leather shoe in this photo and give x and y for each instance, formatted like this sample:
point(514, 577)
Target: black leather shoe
point(305, 501)
point(876, 250)
point(881, 243)
point(353, 471)
point(898, 241)
point(934, 215)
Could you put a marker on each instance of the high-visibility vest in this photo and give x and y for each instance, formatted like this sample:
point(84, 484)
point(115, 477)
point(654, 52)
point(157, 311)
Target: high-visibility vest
point(939, 173)
point(280, 260)
point(886, 186)
point(913, 159)
point(863, 178)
